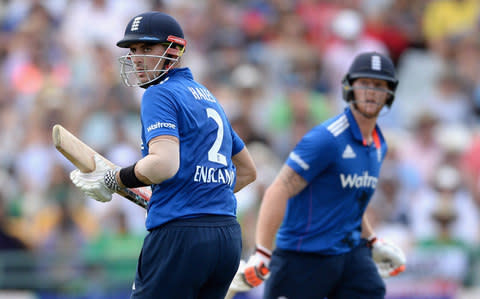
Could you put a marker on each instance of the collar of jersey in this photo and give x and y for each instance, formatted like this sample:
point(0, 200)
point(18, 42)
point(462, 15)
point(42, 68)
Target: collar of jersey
point(357, 135)
point(182, 71)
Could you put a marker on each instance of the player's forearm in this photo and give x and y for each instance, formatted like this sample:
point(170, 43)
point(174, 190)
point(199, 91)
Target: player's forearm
point(286, 185)
point(160, 164)
point(367, 230)
point(246, 170)
point(272, 211)
point(241, 182)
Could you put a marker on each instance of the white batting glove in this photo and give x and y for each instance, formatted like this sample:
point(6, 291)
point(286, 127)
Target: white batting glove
point(238, 283)
point(92, 183)
point(256, 270)
point(390, 259)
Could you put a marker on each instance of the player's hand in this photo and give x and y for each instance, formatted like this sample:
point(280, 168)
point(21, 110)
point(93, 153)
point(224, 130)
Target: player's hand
point(92, 183)
point(390, 259)
point(238, 283)
point(256, 270)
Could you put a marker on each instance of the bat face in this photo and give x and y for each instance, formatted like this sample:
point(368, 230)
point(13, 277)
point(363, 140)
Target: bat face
point(77, 152)
point(81, 155)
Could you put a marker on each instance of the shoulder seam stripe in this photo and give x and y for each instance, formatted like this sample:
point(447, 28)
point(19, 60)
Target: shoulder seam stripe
point(338, 126)
point(339, 130)
point(337, 123)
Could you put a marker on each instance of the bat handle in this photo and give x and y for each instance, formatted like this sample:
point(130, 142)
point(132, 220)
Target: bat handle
point(135, 197)
point(230, 294)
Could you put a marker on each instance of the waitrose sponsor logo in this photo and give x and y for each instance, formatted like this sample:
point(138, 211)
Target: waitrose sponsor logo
point(358, 181)
point(159, 125)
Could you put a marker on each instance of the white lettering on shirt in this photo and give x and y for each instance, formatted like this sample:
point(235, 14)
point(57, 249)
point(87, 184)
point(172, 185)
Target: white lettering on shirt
point(358, 181)
point(158, 125)
point(202, 94)
point(208, 175)
point(296, 158)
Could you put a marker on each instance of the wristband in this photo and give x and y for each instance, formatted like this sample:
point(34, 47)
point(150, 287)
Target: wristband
point(129, 179)
point(110, 180)
point(264, 251)
point(372, 239)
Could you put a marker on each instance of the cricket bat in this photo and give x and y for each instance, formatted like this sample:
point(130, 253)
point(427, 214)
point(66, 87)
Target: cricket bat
point(230, 294)
point(81, 155)
point(238, 284)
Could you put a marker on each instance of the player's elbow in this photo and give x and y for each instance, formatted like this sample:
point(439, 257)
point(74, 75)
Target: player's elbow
point(248, 172)
point(246, 169)
point(252, 175)
point(164, 170)
point(163, 159)
point(155, 168)
point(276, 192)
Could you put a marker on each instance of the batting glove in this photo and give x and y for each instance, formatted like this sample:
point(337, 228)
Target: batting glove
point(256, 270)
point(390, 259)
point(238, 283)
point(93, 183)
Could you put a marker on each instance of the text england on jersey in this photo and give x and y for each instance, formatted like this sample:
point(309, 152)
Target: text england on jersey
point(214, 175)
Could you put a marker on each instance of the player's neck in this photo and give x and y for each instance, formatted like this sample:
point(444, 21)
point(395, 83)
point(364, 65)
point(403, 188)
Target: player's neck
point(365, 124)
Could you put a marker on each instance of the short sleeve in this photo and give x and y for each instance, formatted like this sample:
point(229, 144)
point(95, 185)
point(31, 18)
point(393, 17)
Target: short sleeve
point(159, 114)
point(237, 143)
point(313, 153)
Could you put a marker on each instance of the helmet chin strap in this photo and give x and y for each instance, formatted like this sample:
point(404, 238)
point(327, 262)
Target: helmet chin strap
point(165, 64)
point(155, 81)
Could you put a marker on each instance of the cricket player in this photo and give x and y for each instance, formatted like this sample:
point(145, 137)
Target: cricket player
point(192, 159)
point(315, 207)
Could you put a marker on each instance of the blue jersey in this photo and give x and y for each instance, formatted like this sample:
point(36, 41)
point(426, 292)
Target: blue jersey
point(181, 107)
point(342, 173)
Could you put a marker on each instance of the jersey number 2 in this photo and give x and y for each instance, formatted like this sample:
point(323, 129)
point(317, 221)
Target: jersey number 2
point(213, 153)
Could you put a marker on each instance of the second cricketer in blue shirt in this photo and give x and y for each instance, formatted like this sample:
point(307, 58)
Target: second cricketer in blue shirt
point(315, 207)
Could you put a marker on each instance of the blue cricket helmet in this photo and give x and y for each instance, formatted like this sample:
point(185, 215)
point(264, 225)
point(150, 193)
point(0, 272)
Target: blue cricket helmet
point(152, 27)
point(370, 65)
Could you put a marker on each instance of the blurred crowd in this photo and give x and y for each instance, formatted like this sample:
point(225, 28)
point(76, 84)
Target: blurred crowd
point(276, 66)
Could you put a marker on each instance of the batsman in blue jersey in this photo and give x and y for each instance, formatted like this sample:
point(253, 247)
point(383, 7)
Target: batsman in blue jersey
point(315, 207)
point(192, 159)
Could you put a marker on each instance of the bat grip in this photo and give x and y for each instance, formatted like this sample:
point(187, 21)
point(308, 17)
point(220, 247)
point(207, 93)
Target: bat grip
point(135, 196)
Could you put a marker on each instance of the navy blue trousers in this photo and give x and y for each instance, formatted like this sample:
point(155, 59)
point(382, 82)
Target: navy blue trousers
point(296, 275)
point(189, 258)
